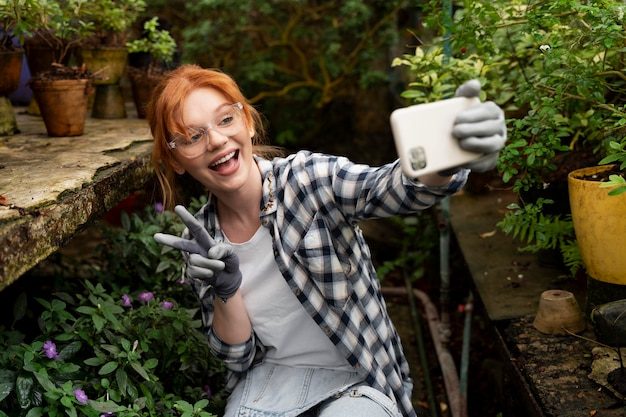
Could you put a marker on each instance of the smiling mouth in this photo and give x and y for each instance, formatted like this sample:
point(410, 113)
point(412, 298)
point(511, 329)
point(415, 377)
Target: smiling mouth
point(224, 161)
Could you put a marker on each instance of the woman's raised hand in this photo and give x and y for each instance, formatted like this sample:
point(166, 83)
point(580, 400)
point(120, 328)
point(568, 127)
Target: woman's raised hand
point(210, 261)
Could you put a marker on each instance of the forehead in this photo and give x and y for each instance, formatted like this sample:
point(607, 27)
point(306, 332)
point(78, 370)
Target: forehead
point(202, 104)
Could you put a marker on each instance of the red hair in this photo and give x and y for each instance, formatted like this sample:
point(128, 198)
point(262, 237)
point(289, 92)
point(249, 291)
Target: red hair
point(165, 116)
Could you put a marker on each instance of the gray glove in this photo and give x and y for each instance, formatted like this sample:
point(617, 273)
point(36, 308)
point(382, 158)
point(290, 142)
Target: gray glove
point(212, 262)
point(481, 129)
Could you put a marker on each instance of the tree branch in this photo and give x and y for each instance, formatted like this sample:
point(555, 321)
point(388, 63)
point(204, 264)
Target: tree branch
point(285, 90)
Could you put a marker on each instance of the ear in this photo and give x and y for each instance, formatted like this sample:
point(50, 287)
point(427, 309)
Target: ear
point(177, 167)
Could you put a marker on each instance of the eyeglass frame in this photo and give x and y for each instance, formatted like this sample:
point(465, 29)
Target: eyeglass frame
point(171, 144)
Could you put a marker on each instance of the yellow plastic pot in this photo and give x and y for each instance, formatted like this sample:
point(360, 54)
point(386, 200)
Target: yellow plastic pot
point(600, 225)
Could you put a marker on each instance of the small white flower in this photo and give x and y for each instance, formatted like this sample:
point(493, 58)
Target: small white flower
point(544, 48)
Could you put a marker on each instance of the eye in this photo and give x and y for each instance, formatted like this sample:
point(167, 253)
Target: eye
point(226, 120)
point(195, 136)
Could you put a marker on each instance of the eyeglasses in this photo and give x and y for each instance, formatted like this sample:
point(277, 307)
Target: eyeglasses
point(228, 122)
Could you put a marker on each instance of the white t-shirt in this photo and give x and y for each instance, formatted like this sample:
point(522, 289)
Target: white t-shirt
point(278, 319)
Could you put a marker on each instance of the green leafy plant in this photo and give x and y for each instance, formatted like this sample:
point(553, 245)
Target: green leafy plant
point(617, 155)
point(62, 25)
point(104, 348)
point(298, 59)
point(189, 410)
point(555, 67)
point(434, 76)
point(138, 249)
point(17, 19)
point(158, 43)
point(112, 20)
point(539, 231)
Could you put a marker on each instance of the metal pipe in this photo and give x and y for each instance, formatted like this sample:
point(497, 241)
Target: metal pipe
point(446, 362)
point(444, 269)
point(444, 205)
point(467, 333)
point(430, 394)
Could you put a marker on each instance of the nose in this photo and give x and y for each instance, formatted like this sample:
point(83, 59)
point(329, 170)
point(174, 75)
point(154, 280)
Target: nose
point(215, 139)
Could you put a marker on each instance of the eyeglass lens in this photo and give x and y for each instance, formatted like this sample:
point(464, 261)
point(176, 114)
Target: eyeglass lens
point(227, 123)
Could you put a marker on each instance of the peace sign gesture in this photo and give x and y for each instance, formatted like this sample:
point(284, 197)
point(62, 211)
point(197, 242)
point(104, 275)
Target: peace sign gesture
point(210, 261)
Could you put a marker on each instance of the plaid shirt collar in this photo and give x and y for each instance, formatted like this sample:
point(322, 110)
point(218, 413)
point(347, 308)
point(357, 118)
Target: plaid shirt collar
point(268, 201)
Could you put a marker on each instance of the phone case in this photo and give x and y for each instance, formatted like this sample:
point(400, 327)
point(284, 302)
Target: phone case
point(423, 136)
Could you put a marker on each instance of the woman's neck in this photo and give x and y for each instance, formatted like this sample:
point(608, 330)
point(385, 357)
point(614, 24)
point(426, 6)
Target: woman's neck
point(239, 212)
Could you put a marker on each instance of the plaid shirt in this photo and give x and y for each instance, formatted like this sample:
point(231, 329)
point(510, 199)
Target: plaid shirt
point(311, 205)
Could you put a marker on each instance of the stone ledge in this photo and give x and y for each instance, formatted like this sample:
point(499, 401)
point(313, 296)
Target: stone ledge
point(51, 188)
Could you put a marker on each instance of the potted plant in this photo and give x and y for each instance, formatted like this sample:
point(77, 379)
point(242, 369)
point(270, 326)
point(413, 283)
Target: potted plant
point(160, 47)
point(598, 201)
point(105, 53)
point(15, 23)
point(557, 70)
point(61, 90)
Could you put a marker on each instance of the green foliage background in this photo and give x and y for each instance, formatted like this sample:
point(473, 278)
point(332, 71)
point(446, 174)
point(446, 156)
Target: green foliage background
point(143, 359)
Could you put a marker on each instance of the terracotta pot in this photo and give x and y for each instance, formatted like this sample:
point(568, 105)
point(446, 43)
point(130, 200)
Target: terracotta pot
point(142, 86)
point(106, 63)
point(11, 69)
point(558, 313)
point(63, 105)
point(39, 59)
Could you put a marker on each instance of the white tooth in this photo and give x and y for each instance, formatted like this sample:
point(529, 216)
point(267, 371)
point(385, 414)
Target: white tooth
point(224, 159)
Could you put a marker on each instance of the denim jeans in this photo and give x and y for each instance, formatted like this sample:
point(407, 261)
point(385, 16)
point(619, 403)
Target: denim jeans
point(270, 390)
point(358, 401)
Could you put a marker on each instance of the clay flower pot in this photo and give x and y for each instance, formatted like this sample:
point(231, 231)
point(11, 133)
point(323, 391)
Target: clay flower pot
point(107, 64)
point(10, 68)
point(63, 105)
point(142, 85)
point(558, 313)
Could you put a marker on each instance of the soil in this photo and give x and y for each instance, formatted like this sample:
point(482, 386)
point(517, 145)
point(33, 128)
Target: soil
point(570, 161)
point(602, 176)
point(62, 72)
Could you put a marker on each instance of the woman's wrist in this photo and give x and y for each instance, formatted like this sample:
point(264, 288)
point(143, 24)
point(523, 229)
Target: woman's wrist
point(435, 180)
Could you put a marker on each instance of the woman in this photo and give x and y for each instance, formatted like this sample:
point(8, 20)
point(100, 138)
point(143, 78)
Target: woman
point(289, 296)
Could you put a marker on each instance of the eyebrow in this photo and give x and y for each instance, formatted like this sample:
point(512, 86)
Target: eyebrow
point(217, 110)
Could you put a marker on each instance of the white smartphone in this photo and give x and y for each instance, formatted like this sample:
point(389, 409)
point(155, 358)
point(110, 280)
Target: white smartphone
point(423, 136)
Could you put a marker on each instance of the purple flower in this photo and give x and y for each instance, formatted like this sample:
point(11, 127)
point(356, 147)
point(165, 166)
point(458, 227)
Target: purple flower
point(167, 305)
point(127, 301)
point(145, 296)
point(207, 391)
point(158, 207)
point(108, 414)
point(81, 397)
point(50, 349)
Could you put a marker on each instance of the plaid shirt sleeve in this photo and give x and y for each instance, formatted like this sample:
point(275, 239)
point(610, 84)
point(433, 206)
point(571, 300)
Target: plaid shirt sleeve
point(361, 192)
